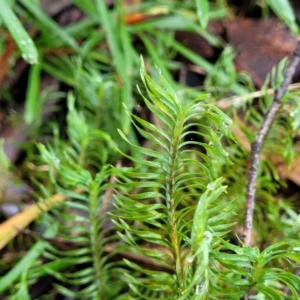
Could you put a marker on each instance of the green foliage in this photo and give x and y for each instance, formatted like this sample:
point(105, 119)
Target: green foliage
point(82, 224)
point(287, 14)
point(22, 38)
point(170, 207)
point(194, 249)
point(175, 177)
point(167, 230)
point(203, 12)
point(33, 105)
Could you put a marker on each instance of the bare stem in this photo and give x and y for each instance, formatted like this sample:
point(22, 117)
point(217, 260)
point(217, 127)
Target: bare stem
point(257, 145)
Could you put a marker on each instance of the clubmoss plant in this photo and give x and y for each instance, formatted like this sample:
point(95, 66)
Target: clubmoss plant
point(177, 212)
point(171, 215)
point(184, 234)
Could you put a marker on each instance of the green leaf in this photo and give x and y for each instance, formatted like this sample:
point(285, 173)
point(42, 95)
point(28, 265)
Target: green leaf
point(272, 251)
point(121, 54)
point(157, 59)
point(33, 254)
point(269, 292)
point(285, 11)
point(202, 11)
point(214, 190)
point(4, 160)
point(50, 25)
point(145, 151)
point(33, 105)
point(19, 34)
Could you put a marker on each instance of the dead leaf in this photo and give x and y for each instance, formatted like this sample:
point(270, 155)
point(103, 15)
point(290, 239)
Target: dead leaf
point(4, 58)
point(261, 45)
point(196, 43)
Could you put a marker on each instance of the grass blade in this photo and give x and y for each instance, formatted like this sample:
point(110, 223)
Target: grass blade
point(32, 103)
point(202, 11)
point(118, 57)
point(287, 14)
point(50, 25)
point(19, 34)
point(33, 254)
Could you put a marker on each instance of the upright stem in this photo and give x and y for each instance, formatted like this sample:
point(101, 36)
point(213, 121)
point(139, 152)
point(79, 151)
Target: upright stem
point(170, 198)
point(95, 245)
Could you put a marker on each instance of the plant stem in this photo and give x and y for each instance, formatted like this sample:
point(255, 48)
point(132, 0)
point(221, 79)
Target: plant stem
point(257, 145)
point(95, 245)
point(170, 198)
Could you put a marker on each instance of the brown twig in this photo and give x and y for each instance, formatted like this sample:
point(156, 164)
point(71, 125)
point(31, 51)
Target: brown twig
point(257, 145)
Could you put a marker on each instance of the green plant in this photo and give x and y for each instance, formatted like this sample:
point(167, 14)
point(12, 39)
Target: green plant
point(179, 198)
point(186, 190)
point(171, 210)
point(190, 224)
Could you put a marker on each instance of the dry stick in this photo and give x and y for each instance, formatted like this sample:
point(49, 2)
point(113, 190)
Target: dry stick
point(257, 145)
